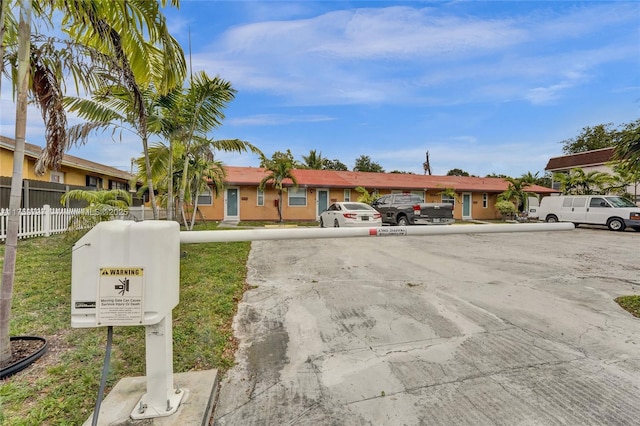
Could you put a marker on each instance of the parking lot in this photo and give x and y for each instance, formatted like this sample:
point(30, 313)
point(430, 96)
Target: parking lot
point(495, 329)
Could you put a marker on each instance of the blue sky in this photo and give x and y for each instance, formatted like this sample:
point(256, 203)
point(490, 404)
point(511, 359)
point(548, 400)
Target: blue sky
point(488, 87)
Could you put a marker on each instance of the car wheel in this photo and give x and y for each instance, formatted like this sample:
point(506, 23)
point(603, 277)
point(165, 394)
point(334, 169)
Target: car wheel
point(616, 224)
point(321, 223)
point(552, 218)
point(403, 221)
point(336, 224)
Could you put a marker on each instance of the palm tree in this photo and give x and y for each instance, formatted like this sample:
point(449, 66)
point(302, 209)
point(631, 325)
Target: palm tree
point(516, 192)
point(11, 249)
point(197, 112)
point(579, 182)
point(623, 178)
point(314, 160)
point(102, 205)
point(205, 173)
point(113, 34)
point(279, 168)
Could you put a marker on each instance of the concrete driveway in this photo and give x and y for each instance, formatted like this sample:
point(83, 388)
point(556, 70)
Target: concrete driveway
point(491, 329)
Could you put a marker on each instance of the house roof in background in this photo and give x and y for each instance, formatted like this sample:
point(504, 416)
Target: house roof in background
point(33, 151)
point(597, 157)
point(345, 179)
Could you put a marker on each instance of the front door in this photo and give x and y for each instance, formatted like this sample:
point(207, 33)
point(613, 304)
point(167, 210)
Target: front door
point(322, 202)
point(466, 205)
point(231, 205)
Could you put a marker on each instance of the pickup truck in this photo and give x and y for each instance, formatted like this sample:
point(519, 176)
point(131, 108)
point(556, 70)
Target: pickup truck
point(408, 209)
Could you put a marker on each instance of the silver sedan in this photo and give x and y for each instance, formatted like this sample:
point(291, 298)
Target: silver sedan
point(350, 214)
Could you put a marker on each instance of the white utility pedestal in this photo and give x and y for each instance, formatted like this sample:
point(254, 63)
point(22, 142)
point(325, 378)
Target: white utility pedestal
point(127, 273)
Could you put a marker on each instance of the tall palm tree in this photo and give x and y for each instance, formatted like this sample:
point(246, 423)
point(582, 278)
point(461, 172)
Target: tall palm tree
point(279, 168)
point(197, 112)
point(11, 243)
point(128, 40)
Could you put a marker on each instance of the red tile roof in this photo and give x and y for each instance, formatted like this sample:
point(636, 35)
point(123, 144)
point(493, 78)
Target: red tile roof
point(596, 157)
point(388, 181)
point(33, 151)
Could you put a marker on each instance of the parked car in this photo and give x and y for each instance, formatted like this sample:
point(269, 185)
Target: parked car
point(408, 209)
point(615, 212)
point(350, 214)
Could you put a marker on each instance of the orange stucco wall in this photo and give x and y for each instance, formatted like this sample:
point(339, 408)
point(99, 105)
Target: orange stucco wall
point(250, 211)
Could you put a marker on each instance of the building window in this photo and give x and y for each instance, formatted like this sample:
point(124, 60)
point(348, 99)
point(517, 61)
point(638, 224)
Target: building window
point(205, 198)
point(94, 182)
point(57, 177)
point(347, 195)
point(419, 194)
point(114, 184)
point(260, 200)
point(297, 196)
point(448, 199)
point(485, 200)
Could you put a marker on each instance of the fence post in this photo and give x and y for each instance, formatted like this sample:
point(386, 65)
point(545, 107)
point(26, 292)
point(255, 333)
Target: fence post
point(26, 194)
point(46, 219)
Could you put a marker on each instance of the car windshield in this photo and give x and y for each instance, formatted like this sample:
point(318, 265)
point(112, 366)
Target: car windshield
point(620, 202)
point(357, 206)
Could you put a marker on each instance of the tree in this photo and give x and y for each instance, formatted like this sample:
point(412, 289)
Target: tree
point(579, 182)
point(334, 164)
point(401, 172)
point(596, 137)
point(366, 196)
point(118, 29)
point(457, 172)
point(515, 192)
point(205, 173)
point(628, 147)
point(279, 168)
point(365, 164)
point(11, 243)
point(197, 112)
point(102, 205)
point(314, 160)
point(112, 34)
point(506, 207)
point(495, 175)
point(624, 177)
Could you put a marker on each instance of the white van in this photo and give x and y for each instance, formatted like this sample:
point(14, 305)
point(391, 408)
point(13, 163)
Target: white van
point(615, 212)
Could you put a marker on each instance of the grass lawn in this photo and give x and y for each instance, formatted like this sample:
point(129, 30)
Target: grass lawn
point(61, 387)
point(630, 304)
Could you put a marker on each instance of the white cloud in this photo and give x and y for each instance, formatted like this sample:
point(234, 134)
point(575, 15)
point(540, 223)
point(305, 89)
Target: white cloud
point(401, 54)
point(276, 119)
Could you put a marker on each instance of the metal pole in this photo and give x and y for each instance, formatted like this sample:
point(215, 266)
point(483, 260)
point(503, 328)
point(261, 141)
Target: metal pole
point(384, 231)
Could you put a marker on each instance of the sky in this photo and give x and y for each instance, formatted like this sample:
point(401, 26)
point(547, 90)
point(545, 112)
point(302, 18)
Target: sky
point(486, 87)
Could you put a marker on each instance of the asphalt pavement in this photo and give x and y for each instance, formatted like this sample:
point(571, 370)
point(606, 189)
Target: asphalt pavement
point(491, 329)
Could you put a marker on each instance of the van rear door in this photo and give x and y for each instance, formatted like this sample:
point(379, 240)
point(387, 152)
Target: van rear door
point(533, 208)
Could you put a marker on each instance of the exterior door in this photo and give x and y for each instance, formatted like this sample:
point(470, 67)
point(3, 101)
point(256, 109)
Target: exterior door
point(466, 205)
point(322, 201)
point(231, 205)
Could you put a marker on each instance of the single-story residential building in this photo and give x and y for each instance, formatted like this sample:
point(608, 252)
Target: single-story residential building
point(74, 173)
point(317, 189)
point(597, 160)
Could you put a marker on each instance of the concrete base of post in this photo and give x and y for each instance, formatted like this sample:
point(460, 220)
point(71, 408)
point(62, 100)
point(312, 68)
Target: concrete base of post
point(196, 407)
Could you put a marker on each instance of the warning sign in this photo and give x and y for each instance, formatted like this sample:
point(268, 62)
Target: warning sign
point(391, 231)
point(120, 296)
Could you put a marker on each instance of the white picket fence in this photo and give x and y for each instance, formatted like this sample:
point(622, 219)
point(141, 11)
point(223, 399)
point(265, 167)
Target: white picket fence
point(46, 221)
point(38, 222)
